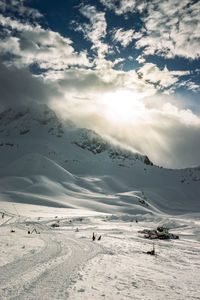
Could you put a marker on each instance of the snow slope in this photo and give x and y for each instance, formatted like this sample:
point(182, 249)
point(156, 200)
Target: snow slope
point(50, 162)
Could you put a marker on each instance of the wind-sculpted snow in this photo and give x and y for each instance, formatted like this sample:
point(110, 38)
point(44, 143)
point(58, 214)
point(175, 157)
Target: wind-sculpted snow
point(35, 179)
point(36, 164)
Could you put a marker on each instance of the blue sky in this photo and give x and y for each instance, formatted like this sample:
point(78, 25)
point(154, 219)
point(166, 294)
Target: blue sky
point(125, 68)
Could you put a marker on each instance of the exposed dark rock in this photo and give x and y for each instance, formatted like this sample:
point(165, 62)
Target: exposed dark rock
point(24, 131)
point(147, 161)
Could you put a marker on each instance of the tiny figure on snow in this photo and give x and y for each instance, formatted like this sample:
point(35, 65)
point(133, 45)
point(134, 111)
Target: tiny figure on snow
point(93, 237)
point(3, 215)
point(99, 238)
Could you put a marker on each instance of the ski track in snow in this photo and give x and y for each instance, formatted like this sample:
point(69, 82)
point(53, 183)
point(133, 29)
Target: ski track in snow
point(46, 274)
point(65, 264)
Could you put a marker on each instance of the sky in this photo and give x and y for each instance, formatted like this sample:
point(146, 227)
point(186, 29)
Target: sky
point(129, 69)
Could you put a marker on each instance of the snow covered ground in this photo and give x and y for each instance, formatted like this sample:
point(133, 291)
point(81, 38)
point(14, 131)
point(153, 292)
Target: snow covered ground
point(64, 263)
point(59, 184)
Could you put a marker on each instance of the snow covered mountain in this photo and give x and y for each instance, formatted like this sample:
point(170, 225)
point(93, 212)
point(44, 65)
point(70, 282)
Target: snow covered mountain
point(22, 125)
point(49, 161)
point(57, 182)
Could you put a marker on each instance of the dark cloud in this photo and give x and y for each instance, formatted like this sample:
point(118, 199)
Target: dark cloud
point(19, 7)
point(19, 86)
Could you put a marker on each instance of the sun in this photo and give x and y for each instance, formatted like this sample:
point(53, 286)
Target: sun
point(121, 106)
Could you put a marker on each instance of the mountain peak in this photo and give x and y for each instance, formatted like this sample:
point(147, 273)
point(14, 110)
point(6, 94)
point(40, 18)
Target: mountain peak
point(39, 126)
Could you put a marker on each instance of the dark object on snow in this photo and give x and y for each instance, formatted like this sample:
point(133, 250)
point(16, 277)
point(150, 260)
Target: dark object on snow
point(161, 233)
point(143, 202)
point(3, 215)
point(162, 229)
point(93, 237)
point(99, 238)
point(55, 225)
point(29, 232)
point(136, 221)
point(152, 252)
point(12, 230)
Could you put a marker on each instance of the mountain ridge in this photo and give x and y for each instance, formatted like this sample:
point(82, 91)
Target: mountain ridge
point(15, 123)
point(47, 161)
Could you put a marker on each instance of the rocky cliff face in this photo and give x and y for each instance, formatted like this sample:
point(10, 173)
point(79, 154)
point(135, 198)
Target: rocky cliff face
point(93, 142)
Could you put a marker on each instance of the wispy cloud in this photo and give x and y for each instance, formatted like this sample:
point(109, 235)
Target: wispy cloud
point(124, 37)
point(190, 85)
point(124, 6)
point(95, 31)
point(172, 29)
point(163, 78)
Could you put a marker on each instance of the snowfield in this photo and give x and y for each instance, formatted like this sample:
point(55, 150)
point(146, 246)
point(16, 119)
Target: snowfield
point(64, 263)
point(59, 184)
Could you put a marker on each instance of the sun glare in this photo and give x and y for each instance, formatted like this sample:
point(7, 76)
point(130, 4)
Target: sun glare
point(122, 106)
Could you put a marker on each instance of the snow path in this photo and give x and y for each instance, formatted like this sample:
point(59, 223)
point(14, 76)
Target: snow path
point(46, 274)
point(63, 263)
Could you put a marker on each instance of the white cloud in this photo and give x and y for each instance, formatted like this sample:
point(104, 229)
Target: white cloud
point(140, 59)
point(163, 78)
point(172, 29)
point(124, 37)
point(190, 85)
point(124, 6)
point(33, 44)
point(95, 31)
